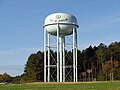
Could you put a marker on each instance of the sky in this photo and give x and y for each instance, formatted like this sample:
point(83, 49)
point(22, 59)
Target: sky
point(21, 27)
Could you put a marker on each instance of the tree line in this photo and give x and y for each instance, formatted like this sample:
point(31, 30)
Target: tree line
point(100, 62)
point(5, 78)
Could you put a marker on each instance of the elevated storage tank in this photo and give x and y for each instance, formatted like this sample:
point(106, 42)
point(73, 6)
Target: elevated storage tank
point(65, 21)
point(60, 25)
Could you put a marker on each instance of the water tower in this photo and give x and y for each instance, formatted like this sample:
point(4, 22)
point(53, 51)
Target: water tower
point(59, 25)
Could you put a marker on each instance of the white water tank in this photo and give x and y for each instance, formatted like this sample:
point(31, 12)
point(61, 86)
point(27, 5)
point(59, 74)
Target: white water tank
point(65, 21)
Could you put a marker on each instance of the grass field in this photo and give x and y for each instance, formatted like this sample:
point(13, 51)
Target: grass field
point(64, 86)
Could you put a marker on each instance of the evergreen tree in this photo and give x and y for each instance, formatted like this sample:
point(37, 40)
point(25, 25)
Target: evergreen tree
point(101, 55)
point(34, 67)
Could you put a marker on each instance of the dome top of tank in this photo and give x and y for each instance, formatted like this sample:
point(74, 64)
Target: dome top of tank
point(60, 18)
point(65, 21)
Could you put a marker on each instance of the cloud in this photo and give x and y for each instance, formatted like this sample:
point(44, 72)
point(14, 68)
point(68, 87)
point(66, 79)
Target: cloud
point(11, 60)
point(19, 51)
point(12, 70)
point(10, 67)
point(15, 56)
point(2, 53)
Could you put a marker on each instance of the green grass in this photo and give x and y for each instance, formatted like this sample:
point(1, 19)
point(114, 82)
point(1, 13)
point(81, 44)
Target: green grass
point(80, 86)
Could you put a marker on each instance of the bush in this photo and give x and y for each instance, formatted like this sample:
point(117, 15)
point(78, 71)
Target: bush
point(101, 76)
point(117, 74)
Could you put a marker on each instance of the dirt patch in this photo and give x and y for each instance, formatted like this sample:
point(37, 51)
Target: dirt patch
point(54, 83)
point(44, 83)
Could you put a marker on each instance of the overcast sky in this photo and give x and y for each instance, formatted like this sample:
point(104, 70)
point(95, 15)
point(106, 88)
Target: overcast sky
point(21, 31)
